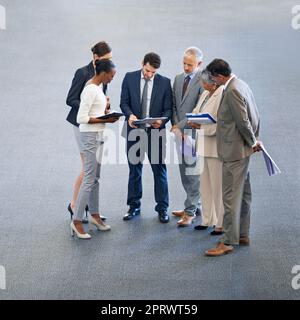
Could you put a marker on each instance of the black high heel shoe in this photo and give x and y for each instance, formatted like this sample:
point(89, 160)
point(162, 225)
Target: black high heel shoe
point(85, 219)
point(86, 214)
point(71, 211)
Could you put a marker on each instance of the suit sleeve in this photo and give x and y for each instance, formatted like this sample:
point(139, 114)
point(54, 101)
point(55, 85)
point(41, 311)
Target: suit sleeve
point(125, 104)
point(78, 83)
point(87, 99)
point(238, 107)
point(183, 123)
point(174, 119)
point(211, 129)
point(168, 102)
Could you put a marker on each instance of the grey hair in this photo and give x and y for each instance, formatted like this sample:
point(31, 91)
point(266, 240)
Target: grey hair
point(195, 52)
point(207, 77)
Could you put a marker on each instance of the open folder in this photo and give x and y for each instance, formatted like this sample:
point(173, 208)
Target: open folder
point(148, 120)
point(112, 114)
point(270, 163)
point(200, 118)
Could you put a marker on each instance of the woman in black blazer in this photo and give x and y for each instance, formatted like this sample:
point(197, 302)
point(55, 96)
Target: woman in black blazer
point(101, 50)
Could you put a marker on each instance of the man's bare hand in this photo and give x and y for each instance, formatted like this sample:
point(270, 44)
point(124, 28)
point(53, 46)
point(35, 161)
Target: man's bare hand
point(176, 130)
point(131, 119)
point(157, 124)
point(257, 147)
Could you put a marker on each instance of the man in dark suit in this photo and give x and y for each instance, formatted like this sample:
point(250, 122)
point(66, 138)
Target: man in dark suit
point(146, 94)
point(101, 50)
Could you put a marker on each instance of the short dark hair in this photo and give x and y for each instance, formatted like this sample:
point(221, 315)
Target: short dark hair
point(101, 48)
point(219, 66)
point(153, 59)
point(104, 65)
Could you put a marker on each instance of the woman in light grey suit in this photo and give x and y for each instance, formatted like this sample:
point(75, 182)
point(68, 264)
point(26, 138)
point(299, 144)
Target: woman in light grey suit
point(211, 168)
point(92, 105)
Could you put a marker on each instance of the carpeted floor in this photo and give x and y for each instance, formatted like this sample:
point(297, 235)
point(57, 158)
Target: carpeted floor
point(40, 49)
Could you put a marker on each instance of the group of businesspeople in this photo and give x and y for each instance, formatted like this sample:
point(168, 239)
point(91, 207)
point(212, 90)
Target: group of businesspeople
point(223, 197)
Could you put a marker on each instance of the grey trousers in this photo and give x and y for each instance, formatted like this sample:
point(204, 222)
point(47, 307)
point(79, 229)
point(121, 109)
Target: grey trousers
point(92, 149)
point(190, 179)
point(237, 200)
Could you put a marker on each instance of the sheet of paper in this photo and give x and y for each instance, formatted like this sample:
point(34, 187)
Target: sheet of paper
point(270, 163)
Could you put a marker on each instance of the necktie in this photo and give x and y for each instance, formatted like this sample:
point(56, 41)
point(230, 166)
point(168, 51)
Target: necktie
point(185, 85)
point(144, 99)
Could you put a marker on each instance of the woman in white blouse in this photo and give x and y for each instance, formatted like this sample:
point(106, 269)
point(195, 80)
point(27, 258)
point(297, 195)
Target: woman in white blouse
point(211, 175)
point(92, 105)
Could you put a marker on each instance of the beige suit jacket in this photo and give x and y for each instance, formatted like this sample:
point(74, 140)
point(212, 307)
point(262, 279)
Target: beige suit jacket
point(206, 136)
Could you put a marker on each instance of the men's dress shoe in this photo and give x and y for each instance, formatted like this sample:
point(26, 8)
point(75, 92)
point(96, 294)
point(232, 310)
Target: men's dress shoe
point(244, 242)
point(216, 233)
point(220, 250)
point(132, 213)
point(163, 217)
point(186, 221)
point(178, 214)
point(199, 227)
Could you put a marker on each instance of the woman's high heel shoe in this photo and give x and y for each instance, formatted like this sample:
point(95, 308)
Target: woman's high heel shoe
point(74, 230)
point(99, 226)
point(71, 211)
point(86, 215)
point(85, 219)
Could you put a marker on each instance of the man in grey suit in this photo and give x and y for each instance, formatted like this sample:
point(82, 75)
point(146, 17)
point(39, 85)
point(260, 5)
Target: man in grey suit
point(237, 132)
point(186, 91)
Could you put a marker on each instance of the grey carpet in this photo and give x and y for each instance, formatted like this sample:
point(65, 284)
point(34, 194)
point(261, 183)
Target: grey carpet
point(142, 259)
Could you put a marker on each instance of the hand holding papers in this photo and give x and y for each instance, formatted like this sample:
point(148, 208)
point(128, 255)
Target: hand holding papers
point(270, 163)
point(200, 118)
point(148, 120)
point(112, 114)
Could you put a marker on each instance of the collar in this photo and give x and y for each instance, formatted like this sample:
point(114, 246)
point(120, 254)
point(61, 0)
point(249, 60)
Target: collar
point(229, 80)
point(191, 75)
point(142, 76)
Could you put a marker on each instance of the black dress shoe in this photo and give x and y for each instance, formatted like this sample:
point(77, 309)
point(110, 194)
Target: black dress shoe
point(163, 217)
point(198, 212)
point(199, 227)
point(70, 210)
point(132, 212)
point(216, 233)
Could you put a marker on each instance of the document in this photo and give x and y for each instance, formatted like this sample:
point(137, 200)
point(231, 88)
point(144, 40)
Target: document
point(270, 163)
point(112, 114)
point(148, 120)
point(200, 118)
point(188, 147)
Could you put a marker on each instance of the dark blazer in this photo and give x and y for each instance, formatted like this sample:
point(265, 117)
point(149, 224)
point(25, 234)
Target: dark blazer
point(161, 103)
point(81, 77)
